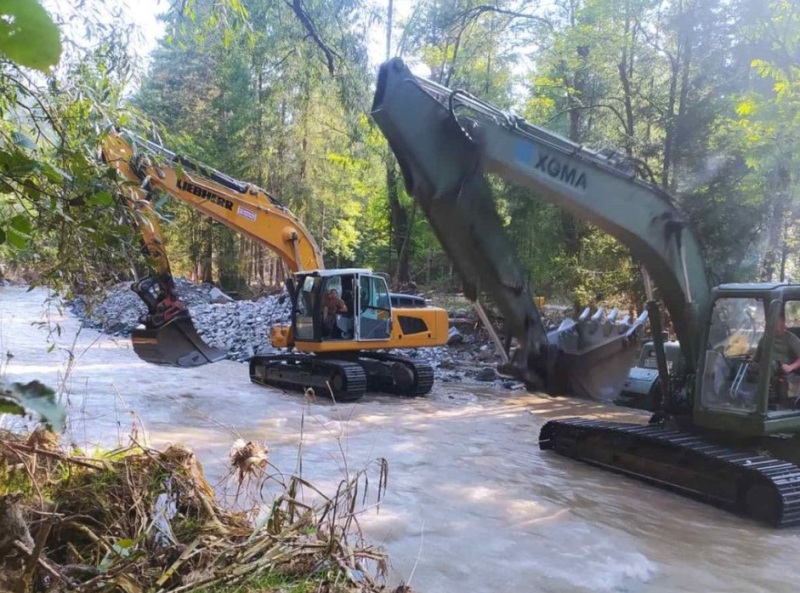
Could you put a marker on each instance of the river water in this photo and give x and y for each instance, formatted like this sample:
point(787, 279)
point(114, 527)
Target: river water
point(471, 505)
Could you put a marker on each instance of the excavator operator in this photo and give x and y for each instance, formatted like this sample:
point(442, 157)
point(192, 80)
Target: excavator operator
point(785, 350)
point(331, 306)
point(785, 359)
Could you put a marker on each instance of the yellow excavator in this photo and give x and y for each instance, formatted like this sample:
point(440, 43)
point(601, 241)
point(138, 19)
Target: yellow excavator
point(342, 320)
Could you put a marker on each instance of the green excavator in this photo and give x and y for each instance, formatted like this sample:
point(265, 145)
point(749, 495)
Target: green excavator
point(728, 419)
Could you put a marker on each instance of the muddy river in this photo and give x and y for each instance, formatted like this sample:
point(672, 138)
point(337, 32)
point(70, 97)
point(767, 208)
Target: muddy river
point(472, 504)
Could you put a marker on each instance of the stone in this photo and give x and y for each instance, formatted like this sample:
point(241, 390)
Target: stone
point(454, 336)
point(486, 375)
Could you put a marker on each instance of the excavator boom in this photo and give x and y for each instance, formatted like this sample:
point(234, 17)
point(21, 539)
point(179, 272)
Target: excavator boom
point(247, 208)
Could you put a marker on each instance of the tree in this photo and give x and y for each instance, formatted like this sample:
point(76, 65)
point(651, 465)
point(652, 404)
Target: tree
point(56, 198)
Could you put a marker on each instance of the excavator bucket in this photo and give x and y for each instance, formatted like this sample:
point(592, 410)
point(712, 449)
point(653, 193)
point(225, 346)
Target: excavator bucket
point(596, 353)
point(176, 344)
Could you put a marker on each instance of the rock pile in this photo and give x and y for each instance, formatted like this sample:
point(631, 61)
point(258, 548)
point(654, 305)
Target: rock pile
point(242, 329)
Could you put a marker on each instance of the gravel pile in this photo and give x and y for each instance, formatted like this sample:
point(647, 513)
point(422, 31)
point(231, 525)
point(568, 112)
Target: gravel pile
point(242, 329)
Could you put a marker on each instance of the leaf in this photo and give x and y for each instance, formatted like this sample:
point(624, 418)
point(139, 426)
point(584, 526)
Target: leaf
point(16, 240)
point(2, 236)
point(54, 174)
point(127, 584)
point(33, 397)
point(21, 224)
point(746, 107)
point(124, 547)
point(102, 198)
point(28, 36)
point(8, 407)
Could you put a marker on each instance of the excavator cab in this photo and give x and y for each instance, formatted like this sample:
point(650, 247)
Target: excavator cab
point(335, 306)
point(741, 385)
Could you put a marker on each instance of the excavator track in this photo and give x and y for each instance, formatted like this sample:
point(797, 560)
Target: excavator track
point(747, 483)
point(343, 380)
point(398, 375)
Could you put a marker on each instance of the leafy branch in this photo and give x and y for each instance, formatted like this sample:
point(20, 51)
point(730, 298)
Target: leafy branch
point(20, 399)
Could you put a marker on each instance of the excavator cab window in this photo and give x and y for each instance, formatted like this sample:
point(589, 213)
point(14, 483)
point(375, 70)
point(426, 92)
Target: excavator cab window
point(731, 366)
point(792, 315)
point(375, 309)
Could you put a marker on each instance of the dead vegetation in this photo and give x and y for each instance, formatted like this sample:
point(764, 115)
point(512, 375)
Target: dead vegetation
point(139, 520)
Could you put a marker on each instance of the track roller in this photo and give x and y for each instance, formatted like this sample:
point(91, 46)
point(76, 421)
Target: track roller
point(398, 375)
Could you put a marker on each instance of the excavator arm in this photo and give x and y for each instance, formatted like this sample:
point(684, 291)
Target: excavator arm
point(244, 207)
point(169, 337)
point(445, 141)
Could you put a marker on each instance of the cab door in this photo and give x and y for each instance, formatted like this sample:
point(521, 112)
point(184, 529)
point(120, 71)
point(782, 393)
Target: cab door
point(374, 308)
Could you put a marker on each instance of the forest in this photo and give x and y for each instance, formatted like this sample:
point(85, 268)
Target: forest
point(705, 92)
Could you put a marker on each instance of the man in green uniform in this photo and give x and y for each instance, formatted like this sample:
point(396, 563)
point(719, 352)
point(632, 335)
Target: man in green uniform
point(786, 353)
point(785, 348)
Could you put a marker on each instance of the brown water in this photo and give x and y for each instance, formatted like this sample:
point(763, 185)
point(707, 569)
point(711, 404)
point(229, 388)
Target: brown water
point(472, 504)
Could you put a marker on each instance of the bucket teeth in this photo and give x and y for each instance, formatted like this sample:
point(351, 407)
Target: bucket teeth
point(594, 353)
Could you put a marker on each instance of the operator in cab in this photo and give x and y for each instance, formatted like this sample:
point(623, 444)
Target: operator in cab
point(331, 306)
point(785, 349)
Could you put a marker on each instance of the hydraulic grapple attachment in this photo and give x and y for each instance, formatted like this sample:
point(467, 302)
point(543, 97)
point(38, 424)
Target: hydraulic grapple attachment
point(176, 343)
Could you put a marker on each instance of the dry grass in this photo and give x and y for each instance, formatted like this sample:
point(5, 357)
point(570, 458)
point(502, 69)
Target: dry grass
point(138, 519)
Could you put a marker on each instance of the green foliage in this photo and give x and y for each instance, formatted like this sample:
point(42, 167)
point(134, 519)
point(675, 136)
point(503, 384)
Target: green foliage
point(264, 108)
point(21, 399)
point(28, 36)
point(58, 217)
point(703, 93)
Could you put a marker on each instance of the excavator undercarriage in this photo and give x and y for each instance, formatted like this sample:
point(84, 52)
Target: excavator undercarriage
point(344, 378)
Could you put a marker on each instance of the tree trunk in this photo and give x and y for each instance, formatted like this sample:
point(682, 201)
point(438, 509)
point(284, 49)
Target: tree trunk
point(681, 124)
point(775, 238)
point(625, 68)
point(570, 226)
point(399, 221)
